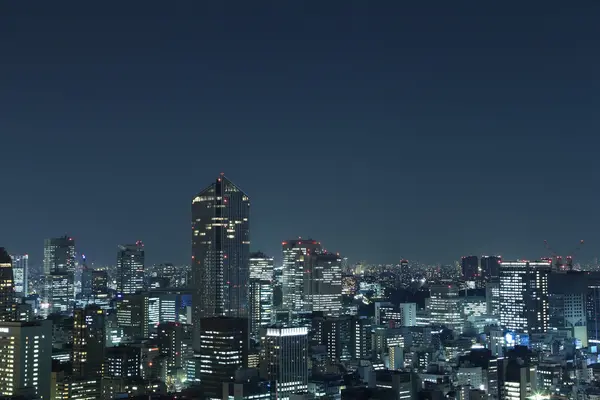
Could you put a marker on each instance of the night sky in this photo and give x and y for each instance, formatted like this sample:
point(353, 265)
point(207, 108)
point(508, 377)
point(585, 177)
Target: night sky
point(384, 129)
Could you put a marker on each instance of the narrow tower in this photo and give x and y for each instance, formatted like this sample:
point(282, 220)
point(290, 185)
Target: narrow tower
point(220, 251)
point(7, 287)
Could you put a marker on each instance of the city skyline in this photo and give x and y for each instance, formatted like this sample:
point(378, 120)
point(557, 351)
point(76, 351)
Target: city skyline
point(299, 200)
point(276, 253)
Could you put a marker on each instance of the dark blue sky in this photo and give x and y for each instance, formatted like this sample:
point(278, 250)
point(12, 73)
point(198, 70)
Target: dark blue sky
point(385, 129)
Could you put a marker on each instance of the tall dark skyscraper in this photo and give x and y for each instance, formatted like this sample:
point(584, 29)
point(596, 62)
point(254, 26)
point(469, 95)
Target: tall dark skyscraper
point(490, 266)
point(59, 255)
point(223, 350)
point(89, 341)
point(130, 268)
point(86, 280)
point(469, 267)
point(405, 277)
point(220, 252)
point(7, 306)
point(285, 360)
point(59, 271)
point(293, 271)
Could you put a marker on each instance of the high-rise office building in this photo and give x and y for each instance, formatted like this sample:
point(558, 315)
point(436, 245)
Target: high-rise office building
point(223, 349)
point(99, 284)
point(524, 296)
point(7, 301)
point(409, 314)
point(133, 315)
point(59, 255)
point(260, 292)
point(444, 306)
point(335, 334)
point(469, 267)
point(220, 251)
point(130, 268)
point(593, 305)
point(170, 339)
point(361, 343)
point(405, 276)
point(261, 266)
point(492, 296)
point(86, 283)
point(322, 290)
point(89, 341)
point(490, 267)
point(59, 292)
point(567, 294)
point(21, 274)
point(59, 270)
point(293, 271)
point(285, 360)
point(261, 305)
point(26, 354)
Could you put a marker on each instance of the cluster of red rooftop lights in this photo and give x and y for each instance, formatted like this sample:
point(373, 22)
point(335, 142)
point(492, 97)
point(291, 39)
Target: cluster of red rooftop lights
point(559, 258)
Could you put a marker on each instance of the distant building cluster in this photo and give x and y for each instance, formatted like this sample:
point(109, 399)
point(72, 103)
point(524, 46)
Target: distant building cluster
point(306, 324)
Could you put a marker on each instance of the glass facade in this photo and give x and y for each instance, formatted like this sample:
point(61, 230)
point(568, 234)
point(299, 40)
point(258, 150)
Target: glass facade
point(130, 268)
point(59, 255)
point(293, 271)
point(323, 283)
point(524, 296)
point(220, 252)
point(20, 272)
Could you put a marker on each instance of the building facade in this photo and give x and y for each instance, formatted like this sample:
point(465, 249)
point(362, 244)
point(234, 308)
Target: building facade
point(21, 274)
point(89, 342)
point(292, 284)
point(223, 349)
point(524, 305)
point(7, 301)
point(322, 289)
point(469, 267)
point(445, 306)
point(130, 268)
point(285, 360)
point(261, 266)
point(220, 253)
point(59, 255)
point(261, 306)
point(26, 354)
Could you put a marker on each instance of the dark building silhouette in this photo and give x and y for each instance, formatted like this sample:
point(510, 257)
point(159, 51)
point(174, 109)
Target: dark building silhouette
point(223, 350)
point(490, 267)
point(469, 267)
point(7, 285)
point(89, 341)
